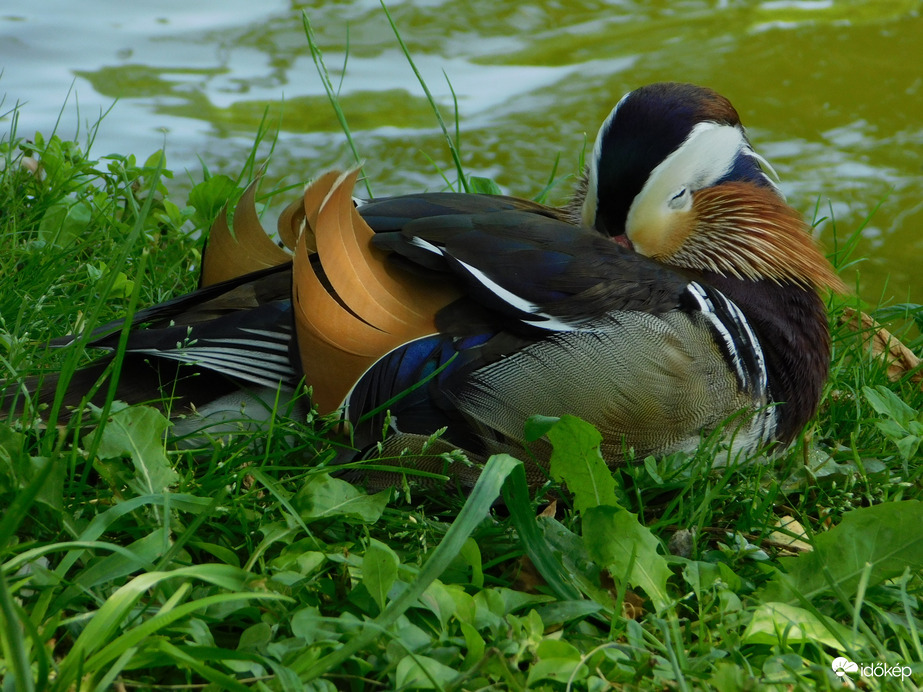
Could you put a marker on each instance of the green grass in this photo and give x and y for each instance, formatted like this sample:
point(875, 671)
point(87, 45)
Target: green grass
point(129, 563)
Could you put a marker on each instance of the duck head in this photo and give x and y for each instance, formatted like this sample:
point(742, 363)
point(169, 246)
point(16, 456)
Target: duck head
point(674, 176)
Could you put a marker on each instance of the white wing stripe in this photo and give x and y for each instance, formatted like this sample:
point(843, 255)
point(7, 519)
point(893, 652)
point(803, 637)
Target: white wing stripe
point(542, 320)
point(259, 347)
point(252, 366)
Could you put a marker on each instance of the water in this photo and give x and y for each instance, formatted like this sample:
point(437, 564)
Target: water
point(832, 92)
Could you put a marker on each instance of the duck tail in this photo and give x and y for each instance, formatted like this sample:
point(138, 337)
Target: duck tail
point(36, 394)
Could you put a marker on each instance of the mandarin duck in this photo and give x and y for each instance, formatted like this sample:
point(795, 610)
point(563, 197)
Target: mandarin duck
point(677, 291)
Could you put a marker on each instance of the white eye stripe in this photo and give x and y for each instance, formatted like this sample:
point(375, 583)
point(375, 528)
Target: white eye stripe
point(773, 177)
point(707, 155)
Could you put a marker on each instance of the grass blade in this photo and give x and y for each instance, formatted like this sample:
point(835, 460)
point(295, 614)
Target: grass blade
point(485, 493)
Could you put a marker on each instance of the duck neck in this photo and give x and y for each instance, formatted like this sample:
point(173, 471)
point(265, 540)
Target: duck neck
point(790, 322)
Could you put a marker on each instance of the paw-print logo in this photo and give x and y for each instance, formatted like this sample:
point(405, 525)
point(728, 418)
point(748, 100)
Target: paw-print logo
point(842, 665)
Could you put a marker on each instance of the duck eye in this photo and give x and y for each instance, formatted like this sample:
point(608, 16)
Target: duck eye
point(679, 199)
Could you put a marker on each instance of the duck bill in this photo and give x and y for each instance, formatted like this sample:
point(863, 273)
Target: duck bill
point(622, 240)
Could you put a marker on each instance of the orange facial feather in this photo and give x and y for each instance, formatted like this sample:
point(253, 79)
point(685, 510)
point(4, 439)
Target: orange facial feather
point(741, 230)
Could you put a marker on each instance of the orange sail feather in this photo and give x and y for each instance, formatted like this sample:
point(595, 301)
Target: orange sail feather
point(362, 308)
